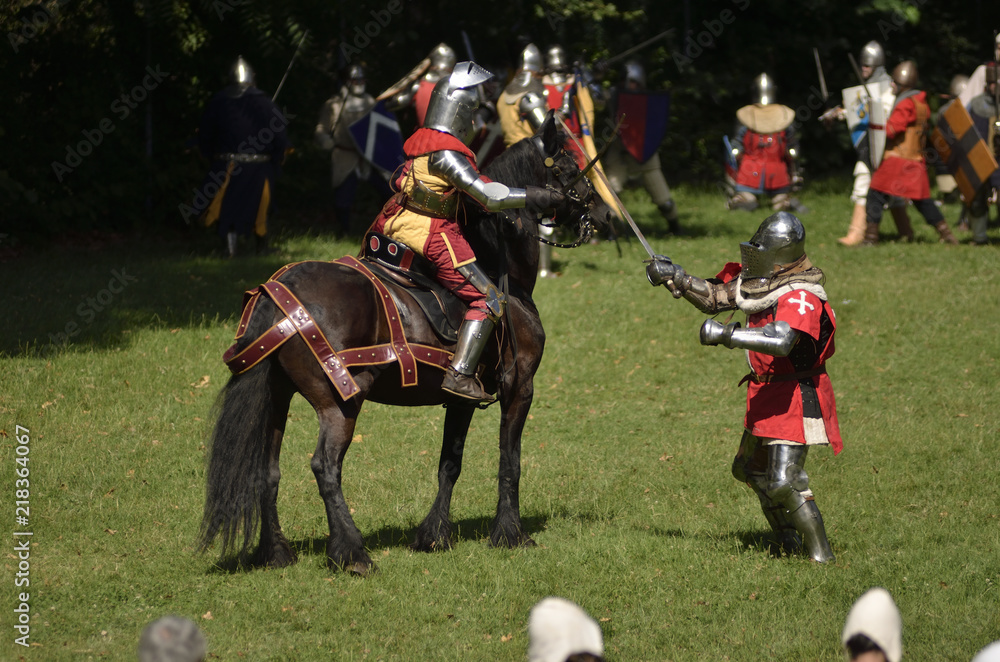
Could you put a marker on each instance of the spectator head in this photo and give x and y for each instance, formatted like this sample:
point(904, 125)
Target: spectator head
point(172, 639)
point(560, 631)
point(874, 629)
point(989, 654)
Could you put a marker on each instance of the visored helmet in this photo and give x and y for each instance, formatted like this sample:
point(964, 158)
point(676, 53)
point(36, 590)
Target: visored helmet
point(780, 239)
point(905, 74)
point(531, 59)
point(455, 99)
point(872, 55)
point(765, 89)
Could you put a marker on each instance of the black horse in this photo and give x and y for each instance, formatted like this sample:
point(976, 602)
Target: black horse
point(243, 473)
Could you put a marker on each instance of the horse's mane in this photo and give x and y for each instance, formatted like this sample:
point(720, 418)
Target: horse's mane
point(517, 166)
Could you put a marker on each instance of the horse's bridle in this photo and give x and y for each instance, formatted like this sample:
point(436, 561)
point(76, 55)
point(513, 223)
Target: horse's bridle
point(585, 228)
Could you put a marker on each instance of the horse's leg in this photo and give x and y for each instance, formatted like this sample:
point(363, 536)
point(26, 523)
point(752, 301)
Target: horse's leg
point(274, 550)
point(345, 548)
point(435, 531)
point(506, 528)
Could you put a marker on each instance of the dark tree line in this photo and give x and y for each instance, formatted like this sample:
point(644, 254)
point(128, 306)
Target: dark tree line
point(104, 97)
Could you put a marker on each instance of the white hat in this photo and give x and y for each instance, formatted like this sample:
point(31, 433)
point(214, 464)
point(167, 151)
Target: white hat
point(558, 628)
point(989, 654)
point(876, 616)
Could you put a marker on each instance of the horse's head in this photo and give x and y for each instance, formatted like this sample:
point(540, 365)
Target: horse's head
point(583, 210)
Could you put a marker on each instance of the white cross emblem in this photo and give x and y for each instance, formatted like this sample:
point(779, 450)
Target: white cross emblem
point(802, 303)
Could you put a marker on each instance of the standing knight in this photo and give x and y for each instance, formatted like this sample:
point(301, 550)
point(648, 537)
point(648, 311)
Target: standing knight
point(621, 165)
point(903, 170)
point(521, 96)
point(788, 339)
point(347, 166)
point(440, 172)
point(243, 134)
point(878, 80)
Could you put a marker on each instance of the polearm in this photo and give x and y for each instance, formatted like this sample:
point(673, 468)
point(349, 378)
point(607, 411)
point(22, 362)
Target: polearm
point(637, 47)
point(822, 78)
point(294, 55)
point(621, 207)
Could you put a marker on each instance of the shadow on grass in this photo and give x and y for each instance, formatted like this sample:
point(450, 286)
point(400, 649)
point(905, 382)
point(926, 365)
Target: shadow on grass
point(389, 537)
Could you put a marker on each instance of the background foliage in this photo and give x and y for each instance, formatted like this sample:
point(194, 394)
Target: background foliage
point(66, 62)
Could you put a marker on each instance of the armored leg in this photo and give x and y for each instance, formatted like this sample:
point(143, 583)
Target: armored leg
point(750, 467)
point(460, 379)
point(473, 335)
point(231, 239)
point(743, 200)
point(788, 485)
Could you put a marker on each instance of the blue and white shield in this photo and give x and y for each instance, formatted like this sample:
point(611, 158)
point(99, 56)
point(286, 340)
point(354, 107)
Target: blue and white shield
point(379, 139)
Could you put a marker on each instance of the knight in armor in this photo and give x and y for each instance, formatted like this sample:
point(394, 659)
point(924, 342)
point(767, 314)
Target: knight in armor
point(522, 96)
point(620, 164)
point(903, 171)
point(439, 174)
point(347, 167)
point(788, 339)
point(559, 83)
point(418, 96)
point(243, 133)
point(983, 111)
point(765, 148)
point(873, 74)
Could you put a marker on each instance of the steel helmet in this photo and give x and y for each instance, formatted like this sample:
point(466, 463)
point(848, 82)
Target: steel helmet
point(455, 99)
point(872, 55)
point(780, 239)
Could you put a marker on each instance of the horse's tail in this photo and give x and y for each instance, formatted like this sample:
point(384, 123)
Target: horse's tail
point(239, 456)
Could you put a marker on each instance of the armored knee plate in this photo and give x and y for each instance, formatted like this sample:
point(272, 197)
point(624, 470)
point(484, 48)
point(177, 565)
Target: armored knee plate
point(495, 299)
point(788, 486)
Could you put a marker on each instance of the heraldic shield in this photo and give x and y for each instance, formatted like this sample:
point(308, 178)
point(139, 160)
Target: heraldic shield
point(866, 120)
point(379, 139)
point(644, 119)
point(964, 151)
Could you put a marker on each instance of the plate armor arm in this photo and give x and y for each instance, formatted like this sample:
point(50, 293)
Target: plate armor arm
point(493, 196)
point(774, 339)
point(709, 296)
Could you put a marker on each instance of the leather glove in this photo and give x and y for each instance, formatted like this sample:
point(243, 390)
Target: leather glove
point(660, 270)
point(540, 200)
point(716, 333)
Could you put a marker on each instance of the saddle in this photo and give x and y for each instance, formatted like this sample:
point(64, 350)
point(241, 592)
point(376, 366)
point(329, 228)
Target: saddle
point(396, 263)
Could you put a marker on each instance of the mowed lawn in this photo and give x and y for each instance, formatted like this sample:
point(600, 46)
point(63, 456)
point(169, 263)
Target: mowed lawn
point(111, 365)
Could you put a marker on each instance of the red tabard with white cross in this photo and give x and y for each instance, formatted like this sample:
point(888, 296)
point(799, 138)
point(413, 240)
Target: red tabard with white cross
point(774, 409)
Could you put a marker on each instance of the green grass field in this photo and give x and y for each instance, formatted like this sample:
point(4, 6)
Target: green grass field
point(625, 484)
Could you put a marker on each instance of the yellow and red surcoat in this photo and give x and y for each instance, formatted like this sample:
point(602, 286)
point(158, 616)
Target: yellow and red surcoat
point(423, 214)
